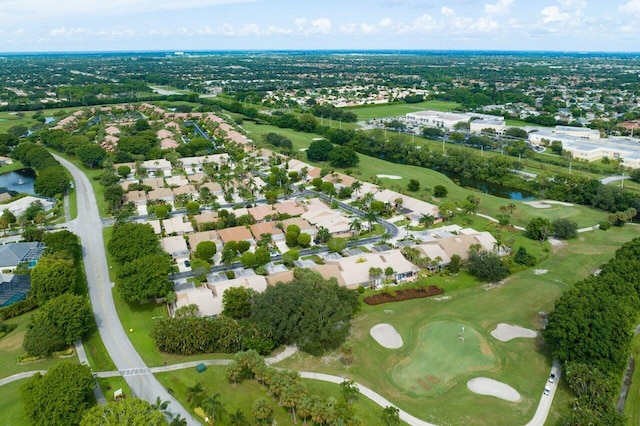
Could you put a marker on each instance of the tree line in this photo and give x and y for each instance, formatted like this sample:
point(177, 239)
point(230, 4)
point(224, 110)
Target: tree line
point(590, 332)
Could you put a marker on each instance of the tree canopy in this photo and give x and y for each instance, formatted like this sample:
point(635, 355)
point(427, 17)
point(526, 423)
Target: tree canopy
point(145, 278)
point(131, 241)
point(60, 397)
point(129, 411)
point(53, 276)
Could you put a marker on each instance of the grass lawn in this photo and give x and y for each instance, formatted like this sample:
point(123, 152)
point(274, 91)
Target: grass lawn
point(11, 349)
point(11, 405)
point(10, 119)
point(242, 395)
point(426, 325)
point(392, 110)
point(16, 165)
point(632, 406)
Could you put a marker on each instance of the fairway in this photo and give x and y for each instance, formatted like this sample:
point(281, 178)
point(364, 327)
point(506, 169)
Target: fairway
point(441, 355)
point(394, 110)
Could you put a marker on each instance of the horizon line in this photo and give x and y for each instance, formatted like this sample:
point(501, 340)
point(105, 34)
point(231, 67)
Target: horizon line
point(325, 50)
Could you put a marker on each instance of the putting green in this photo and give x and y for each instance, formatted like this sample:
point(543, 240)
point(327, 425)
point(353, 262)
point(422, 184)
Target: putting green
point(441, 355)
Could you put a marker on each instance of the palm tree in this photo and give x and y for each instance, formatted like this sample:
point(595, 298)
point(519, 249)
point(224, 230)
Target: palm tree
point(213, 408)
point(427, 220)
point(238, 419)
point(356, 226)
point(261, 410)
point(371, 217)
point(356, 187)
point(195, 394)
point(178, 421)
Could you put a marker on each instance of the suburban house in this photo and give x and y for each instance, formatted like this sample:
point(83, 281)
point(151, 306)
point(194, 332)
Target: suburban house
point(202, 297)
point(177, 225)
point(445, 242)
point(198, 237)
point(19, 206)
point(235, 233)
point(11, 255)
point(13, 288)
point(257, 229)
point(5, 160)
point(412, 208)
point(254, 282)
point(176, 247)
point(353, 271)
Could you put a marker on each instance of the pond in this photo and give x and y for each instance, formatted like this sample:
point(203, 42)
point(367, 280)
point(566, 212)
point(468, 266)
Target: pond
point(489, 187)
point(19, 181)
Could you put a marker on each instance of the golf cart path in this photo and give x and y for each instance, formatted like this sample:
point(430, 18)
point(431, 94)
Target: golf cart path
point(538, 419)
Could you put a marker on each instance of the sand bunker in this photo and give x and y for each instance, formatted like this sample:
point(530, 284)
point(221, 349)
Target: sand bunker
point(386, 335)
point(506, 332)
point(485, 386)
point(545, 204)
point(394, 177)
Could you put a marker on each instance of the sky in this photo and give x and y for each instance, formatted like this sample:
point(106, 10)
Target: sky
point(184, 25)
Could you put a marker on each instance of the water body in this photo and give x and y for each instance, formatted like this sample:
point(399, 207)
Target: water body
point(489, 188)
point(19, 181)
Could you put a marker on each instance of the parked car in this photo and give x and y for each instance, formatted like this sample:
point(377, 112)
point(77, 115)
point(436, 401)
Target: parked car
point(552, 378)
point(187, 263)
point(546, 391)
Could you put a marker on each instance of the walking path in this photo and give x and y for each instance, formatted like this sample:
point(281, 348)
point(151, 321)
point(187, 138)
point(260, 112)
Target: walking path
point(538, 419)
point(82, 357)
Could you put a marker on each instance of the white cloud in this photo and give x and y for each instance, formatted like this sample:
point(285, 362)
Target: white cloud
point(500, 8)
point(632, 7)
point(553, 14)
point(314, 26)
point(446, 11)
point(386, 22)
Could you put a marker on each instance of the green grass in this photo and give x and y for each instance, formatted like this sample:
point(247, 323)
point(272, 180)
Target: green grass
point(73, 204)
point(11, 349)
point(522, 363)
point(11, 405)
point(369, 112)
point(242, 395)
point(16, 165)
point(10, 119)
point(97, 354)
point(111, 384)
point(632, 406)
point(430, 369)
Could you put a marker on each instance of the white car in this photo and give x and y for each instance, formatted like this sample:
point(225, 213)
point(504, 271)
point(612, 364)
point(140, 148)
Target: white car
point(546, 391)
point(552, 378)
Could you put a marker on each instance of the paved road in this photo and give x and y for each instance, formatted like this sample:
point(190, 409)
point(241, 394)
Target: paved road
point(545, 401)
point(608, 180)
point(88, 227)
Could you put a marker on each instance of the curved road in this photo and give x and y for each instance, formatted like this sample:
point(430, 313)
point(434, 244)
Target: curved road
point(88, 227)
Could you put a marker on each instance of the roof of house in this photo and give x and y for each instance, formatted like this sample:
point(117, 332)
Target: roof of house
point(260, 211)
point(302, 223)
point(155, 224)
point(203, 297)
point(168, 143)
point(177, 180)
point(257, 229)
point(197, 178)
point(133, 196)
point(155, 183)
point(185, 189)
point(280, 277)
point(15, 253)
point(198, 237)
point(177, 225)
point(175, 246)
point(236, 233)
point(290, 207)
point(214, 187)
point(354, 270)
point(160, 193)
point(255, 282)
point(206, 217)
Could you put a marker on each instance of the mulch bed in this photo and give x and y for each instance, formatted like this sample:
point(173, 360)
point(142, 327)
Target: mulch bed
point(400, 295)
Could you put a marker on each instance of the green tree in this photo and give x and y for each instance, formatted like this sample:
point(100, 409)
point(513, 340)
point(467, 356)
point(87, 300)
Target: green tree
point(391, 416)
point(522, 257)
point(413, 185)
point(538, 228)
point(70, 314)
point(487, 266)
point(304, 239)
point(161, 212)
point(336, 245)
point(565, 228)
point(41, 339)
point(9, 216)
point(60, 397)
point(131, 241)
point(91, 154)
point(261, 410)
point(193, 207)
point(440, 191)
point(53, 276)
point(51, 181)
point(290, 256)
point(144, 278)
point(113, 195)
point(236, 302)
point(350, 391)
point(455, 264)
point(129, 411)
point(124, 171)
point(343, 156)
point(263, 256)
point(243, 246)
point(319, 150)
point(248, 259)
point(205, 250)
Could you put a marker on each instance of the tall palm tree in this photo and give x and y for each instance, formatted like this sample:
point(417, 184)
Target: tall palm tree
point(238, 419)
point(213, 408)
point(261, 410)
point(356, 226)
point(356, 186)
point(195, 394)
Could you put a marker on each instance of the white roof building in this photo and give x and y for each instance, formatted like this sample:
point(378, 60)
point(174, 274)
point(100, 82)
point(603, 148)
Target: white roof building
point(354, 270)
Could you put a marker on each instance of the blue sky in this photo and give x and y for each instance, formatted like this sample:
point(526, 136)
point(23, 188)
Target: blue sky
point(90, 25)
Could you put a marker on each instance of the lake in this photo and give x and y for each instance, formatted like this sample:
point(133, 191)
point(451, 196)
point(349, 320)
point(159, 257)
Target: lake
point(19, 181)
point(489, 188)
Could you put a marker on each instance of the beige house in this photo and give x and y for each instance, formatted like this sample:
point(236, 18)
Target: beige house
point(177, 225)
point(236, 233)
point(176, 247)
point(270, 228)
point(199, 237)
point(257, 283)
point(353, 271)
